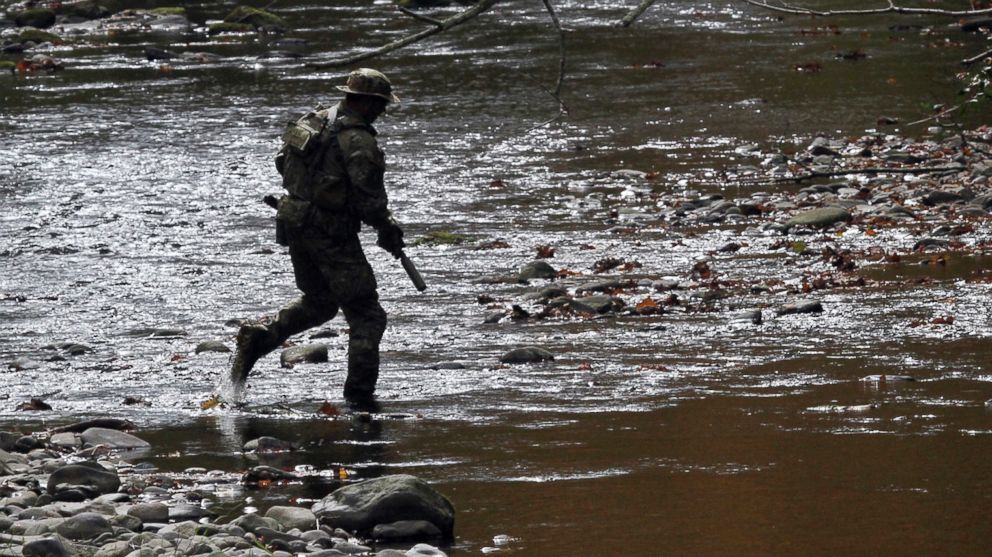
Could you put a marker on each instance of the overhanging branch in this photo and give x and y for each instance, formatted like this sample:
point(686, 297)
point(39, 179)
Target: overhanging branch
point(891, 8)
point(437, 27)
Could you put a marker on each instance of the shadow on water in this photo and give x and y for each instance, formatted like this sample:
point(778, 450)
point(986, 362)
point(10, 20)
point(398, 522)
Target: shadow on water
point(132, 227)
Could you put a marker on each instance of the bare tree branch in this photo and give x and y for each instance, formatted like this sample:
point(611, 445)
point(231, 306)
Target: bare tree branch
point(636, 12)
point(935, 116)
point(892, 8)
point(979, 58)
point(445, 24)
point(562, 109)
point(421, 17)
point(876, 170)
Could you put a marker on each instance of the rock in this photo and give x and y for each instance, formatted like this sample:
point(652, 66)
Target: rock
point(40, 18)
point(255, 17)
point(732, 247)
point(600, 286)
point(819, 217)
point(46, 547)
point(537, 270)
point(293, 517)
point(266, 473)
point(251, 521)
point(424, 550)
point(526, 355)
point(114, 549)
point(884, 378)
point(211, 346)
point(84, 526)
point(360, 507)
point(152, 53)
point(752, 316)
point(107, 423)
point(187, 512)
point(149, 332)
point(800, 307)
point(593, 304)
point(268, 445)
point(229, 27)
point(149, 512)
point(112, 438)
point(307, 353)
point(902, 157)
point(66, 440)
point(87, 474)
point(405, 530)
point(937, 197)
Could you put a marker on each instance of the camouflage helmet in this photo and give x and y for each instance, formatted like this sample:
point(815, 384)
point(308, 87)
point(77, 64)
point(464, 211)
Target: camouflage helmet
point(366, 81)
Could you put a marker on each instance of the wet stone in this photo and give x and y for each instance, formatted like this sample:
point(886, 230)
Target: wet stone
point(149, 512)
point(360, 507)
point(112, 438)
point(308, 353)
point(825, 216)
point(425, 550)
point(885, 378)
point(593, 304)
point(48, 547)
point(268, 445)
point(525, 355)
point(84, 526)
point(293, 517)
point(800, 308)
point(536, 270)
point(406, 530)
point(87, 474)
point(211, 346)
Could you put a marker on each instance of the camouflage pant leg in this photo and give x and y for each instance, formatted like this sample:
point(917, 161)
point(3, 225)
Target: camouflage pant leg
point(368, 322)
point(337, 274)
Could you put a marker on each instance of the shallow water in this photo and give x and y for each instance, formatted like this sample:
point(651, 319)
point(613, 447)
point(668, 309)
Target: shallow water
point(131, 204)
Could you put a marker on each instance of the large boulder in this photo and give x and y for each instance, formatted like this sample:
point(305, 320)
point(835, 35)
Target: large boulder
point(88, 474)
point(386, 500)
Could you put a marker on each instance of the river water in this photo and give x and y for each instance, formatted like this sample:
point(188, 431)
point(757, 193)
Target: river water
point(130, 192)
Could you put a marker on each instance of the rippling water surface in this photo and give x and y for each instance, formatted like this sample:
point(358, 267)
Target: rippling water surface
point(131, 192)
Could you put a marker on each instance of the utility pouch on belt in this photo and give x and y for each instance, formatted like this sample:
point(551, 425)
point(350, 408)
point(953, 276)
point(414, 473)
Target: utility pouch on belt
point(292, 212)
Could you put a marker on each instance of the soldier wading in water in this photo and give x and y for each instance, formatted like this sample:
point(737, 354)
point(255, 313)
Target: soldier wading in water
point(332, 169)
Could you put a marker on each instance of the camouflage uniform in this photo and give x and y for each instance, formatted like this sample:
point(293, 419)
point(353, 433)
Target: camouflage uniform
point(321, 217)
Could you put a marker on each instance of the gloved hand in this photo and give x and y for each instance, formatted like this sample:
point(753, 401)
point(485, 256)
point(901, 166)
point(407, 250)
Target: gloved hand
point(391, 239)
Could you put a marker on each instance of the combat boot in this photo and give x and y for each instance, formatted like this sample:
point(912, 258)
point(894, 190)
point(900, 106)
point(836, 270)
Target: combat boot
point(253, 342)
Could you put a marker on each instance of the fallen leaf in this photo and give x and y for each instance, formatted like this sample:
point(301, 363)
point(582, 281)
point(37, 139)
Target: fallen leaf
point(545, 252)
point(210, 403)
point(328, 409)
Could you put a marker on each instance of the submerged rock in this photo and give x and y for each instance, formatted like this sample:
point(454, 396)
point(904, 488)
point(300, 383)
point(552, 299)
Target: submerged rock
point(819, 217)
point(211, 346)
point(525, 355)
point(386, 500)
point(268, 445)
point(800, 307)
point(255, 18)
point(305, 354)
point(537, 270)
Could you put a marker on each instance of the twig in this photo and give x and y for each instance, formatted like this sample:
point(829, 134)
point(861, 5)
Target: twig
point(973, 59)
point(835, 173)
point(445, 24)
point(636, 12)
point(421, 17)
point(892, 8)
point(935, 116)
